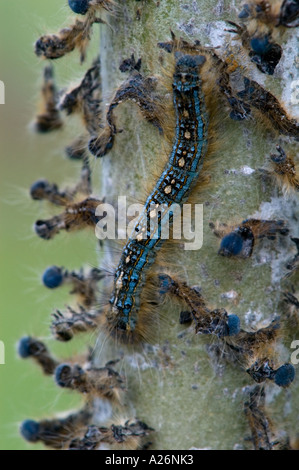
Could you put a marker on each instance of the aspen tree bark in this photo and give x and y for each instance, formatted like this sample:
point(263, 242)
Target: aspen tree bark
point(180, 385)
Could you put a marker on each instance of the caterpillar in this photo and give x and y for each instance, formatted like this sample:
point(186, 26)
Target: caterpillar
point(78, 212)
point(48, 118)
point(77, 35)
point(263, 21)
point(265, 53)
point(241, 240)
point(84, 100)
point(142, 90)
point(66, 325)
point(139, 89)
point(102, 382)
point(57, 433)
point(263, 433)
point(284, 171)
point(275, 13)
point(254, 349)
point(128, 435)
point(83, 284)
point(125, 317)
point(216, 322)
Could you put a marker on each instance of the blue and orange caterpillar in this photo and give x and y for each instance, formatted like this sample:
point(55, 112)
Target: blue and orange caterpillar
point(129, 316)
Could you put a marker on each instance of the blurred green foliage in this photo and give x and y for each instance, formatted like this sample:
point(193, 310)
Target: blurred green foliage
point(26, 305)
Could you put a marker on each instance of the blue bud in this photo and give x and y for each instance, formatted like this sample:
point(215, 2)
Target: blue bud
point(284, 375)
point(79, 6)
point(24, 349)
point(231, 244)
point(185, 317)
point(30, 430)
point(165, 283)
point(62, 375)
point(233, 324)
point(260, 45)
point(245, 12)
point(38, 187)
point(52, 277)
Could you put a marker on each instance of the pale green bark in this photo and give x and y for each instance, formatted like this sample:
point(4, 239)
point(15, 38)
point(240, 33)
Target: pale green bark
point(176, 387)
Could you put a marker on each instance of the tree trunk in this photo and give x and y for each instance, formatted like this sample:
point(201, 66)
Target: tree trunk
point(178, 385)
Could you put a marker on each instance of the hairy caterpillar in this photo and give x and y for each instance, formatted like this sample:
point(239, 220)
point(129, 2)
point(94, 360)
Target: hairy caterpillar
point(284, 171)
point(57, 433)
point(254, 349)
point(241, 240)
point(84, 100)
point(262, 50)
point(216, 322)
point(83, 284)
point(84, 316)
point(124, 288)
point(48, 117)
point(265, 20)
point(264, 435)
point(274, 13)
point(183, 168)
point(88, 380)
point(91, 381)
point(128, 435)
point(32, 347)
point(138, 89)
point(79, 213)
point(66, 325)
point(142, 90)
point(77, 35)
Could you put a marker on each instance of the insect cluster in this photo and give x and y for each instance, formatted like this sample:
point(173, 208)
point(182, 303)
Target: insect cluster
point(200, 79)
point(264, 22)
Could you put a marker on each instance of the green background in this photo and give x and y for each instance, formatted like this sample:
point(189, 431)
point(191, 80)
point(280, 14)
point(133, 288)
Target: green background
point(26, 305)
